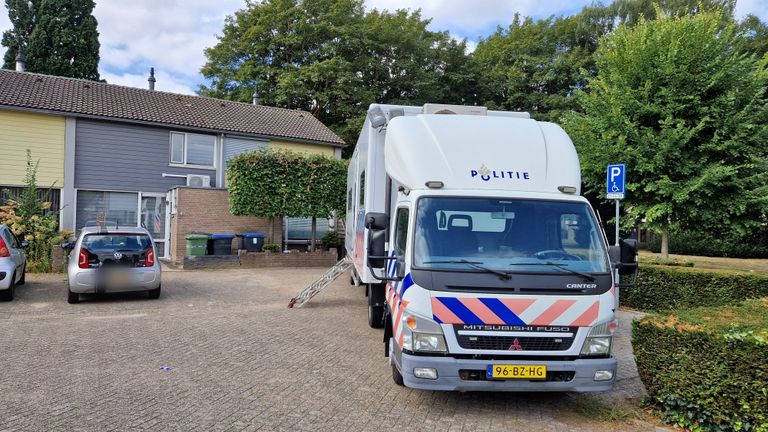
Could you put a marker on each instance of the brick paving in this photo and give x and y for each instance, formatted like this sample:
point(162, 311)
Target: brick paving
point(242, 361)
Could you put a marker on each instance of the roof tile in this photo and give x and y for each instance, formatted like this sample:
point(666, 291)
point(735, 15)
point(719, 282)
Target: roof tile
point(90, 98)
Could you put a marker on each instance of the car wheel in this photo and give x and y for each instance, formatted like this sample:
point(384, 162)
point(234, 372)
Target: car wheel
point(397, 377)
point(154, 294)
point(376, 305)
point(23, 279)
point(72, 298)
point(7, 294)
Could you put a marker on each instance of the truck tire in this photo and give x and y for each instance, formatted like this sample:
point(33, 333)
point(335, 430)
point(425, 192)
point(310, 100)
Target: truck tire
point(376, 305)
point(397, 377)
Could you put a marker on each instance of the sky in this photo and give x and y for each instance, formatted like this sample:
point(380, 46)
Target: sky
point(170, 35)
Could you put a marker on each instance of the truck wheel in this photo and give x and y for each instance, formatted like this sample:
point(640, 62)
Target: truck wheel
point(397, 377)
point(376, 305)
point(72, 298)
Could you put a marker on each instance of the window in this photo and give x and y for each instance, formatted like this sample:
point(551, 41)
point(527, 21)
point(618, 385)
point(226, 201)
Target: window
point(349, 199)
point(106, 208)
point(362, 190)
point(507, 235)
point(401, 232)
point(193, 149)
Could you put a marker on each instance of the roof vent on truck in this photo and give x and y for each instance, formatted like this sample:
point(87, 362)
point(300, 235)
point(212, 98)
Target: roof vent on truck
point(455, 109)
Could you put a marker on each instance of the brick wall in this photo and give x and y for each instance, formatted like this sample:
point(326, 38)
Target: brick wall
point(207, 210)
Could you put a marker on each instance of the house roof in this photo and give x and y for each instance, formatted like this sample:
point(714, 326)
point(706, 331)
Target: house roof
point(86, 98)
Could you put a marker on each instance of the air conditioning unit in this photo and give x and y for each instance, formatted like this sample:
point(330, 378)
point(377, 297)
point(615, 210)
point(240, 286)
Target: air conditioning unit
point(201, 181)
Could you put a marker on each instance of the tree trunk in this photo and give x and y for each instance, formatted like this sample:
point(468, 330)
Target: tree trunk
point(314, 234)
point(271, 229)
point(665, 243)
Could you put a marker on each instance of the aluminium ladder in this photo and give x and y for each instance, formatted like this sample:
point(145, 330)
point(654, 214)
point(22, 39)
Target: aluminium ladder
point(323, 281)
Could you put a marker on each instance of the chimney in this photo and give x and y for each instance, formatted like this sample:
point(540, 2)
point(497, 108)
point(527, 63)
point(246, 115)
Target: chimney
point(20, 59)
point(255, 99)
point(151, 78)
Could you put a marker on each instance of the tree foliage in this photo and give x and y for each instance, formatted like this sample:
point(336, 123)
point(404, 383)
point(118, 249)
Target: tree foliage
point(60, 37)
point(536, 66)
point(333, 58)
point(676, 100)
point(283, 183)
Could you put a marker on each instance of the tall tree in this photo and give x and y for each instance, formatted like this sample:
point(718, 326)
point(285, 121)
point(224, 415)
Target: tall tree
point(22, 14)
point(60, 37)
point(65, 40)
point(676, 100)
point(333, 58)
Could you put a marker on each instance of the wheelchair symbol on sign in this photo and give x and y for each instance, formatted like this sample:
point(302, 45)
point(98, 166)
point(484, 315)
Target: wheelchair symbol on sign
point(614, 188)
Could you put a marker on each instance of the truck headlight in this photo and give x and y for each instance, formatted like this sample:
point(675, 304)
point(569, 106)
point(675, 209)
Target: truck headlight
point(421, 334)
point(428, 342)
point(598, 342)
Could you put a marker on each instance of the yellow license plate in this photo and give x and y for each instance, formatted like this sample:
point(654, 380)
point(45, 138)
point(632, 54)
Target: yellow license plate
point(517, 371)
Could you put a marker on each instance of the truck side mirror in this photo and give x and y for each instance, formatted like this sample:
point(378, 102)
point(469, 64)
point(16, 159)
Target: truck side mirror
point(375, 221)
point(628, 257)
point(376, 253)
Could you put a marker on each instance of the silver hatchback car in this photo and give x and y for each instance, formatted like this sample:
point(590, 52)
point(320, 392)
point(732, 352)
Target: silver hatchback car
point(13, 263)
point(114, 259)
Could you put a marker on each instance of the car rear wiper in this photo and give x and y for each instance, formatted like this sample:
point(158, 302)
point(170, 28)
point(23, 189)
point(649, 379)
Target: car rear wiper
point(476, 264)
point(588, 276)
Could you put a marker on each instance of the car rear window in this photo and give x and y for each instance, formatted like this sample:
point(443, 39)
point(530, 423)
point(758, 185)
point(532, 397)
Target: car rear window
point(114, 242)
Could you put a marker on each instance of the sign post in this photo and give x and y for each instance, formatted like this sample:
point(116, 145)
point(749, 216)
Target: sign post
point(615, 187)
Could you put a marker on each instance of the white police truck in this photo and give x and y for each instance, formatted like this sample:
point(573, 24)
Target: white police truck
point(481, 261)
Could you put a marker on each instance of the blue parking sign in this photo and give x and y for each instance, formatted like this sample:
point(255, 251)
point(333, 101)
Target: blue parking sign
point(616, 178)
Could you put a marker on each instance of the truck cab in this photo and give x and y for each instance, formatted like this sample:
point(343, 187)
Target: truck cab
point(482, 262)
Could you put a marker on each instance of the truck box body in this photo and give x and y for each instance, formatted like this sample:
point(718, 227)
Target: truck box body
point(497, 274)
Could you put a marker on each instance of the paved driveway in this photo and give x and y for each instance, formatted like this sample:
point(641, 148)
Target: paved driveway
point(242, 361)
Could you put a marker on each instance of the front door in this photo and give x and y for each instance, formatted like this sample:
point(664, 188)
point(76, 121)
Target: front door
point(152, 217)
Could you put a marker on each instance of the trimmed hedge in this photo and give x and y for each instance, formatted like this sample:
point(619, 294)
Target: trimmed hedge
point(755, 245)
point(707, 368)
point(670, 288)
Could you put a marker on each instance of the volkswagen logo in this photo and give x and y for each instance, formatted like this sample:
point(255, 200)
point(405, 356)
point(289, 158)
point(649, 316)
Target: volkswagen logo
point(118, 255)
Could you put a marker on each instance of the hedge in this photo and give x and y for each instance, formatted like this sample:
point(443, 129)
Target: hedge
point(707, 368)
point(754, 245)
point(662, 288)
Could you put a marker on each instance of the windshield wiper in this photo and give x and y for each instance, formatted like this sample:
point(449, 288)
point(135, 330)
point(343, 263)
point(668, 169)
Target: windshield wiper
point(588, 276)
point(476, 264)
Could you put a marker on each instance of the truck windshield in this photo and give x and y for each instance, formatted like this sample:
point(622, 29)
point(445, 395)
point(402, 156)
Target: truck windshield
point(508, 235)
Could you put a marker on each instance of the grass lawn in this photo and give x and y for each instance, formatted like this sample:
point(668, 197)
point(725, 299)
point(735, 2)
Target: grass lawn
point(759, 266)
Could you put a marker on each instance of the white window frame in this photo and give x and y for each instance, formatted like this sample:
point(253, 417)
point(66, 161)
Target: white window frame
point(184, 151)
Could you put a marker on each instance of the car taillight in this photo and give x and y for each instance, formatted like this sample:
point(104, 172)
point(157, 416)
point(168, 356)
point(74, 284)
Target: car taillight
point(4, 252)
point(150, 259)
point(82, 261)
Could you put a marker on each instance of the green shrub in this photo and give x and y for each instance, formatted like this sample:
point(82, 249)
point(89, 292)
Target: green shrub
point(671, 288)
point(673, 262)
point(689, 243)
point(707, 368)
point(331, 239)
point(271, 247)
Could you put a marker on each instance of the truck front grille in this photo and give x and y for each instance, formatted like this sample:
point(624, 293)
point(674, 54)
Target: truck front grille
point(510, 343)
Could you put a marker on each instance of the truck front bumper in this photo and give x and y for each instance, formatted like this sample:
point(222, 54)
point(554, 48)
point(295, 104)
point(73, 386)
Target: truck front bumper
point(448, 378)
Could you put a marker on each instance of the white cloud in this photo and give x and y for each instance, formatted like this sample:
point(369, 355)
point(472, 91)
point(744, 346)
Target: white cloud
point(165, 81)
point(754, 7)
